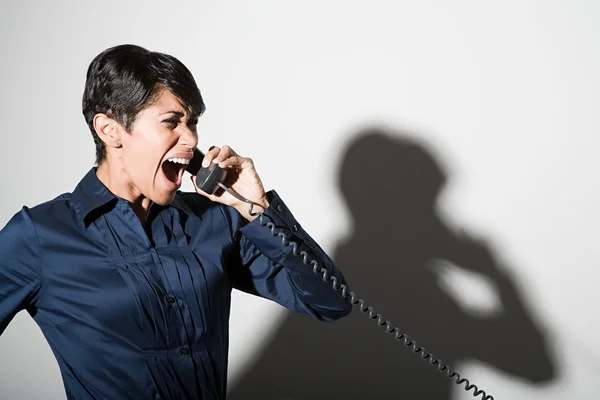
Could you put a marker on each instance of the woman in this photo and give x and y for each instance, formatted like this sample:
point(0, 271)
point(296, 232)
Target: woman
point(129, 278)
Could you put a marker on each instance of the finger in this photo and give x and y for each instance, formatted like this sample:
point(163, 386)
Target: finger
point(235, 162)
point(224, 154)
point(209, 157)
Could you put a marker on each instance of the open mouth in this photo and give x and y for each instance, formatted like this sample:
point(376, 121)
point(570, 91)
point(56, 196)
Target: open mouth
point(173, 169)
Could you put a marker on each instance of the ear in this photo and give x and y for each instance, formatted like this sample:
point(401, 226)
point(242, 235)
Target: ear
point(108, 130)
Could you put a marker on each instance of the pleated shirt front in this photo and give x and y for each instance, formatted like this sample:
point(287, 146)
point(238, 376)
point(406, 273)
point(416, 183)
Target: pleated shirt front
point(141, 311)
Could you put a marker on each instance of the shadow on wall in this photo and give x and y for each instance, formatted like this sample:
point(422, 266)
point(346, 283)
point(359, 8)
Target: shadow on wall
point(391, 186)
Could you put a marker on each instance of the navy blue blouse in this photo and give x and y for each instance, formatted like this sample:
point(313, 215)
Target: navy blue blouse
point(142, 311)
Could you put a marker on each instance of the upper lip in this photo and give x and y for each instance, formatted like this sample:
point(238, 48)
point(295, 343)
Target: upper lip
point(185, 155)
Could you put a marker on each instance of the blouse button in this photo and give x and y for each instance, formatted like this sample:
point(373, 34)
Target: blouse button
point(295, 228)
point(279, 208)
point(171, 299)
point(184, 351)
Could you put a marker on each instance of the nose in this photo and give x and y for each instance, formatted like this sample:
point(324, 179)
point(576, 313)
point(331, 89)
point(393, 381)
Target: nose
point(189, 138)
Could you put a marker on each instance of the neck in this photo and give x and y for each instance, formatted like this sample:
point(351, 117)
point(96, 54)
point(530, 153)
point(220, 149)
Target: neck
point(116, 179)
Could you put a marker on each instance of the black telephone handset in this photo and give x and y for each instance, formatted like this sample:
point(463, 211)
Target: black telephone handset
point(210, 179)
point(207, 179)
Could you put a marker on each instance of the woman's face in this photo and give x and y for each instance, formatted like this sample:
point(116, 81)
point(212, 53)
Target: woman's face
point(161, 132)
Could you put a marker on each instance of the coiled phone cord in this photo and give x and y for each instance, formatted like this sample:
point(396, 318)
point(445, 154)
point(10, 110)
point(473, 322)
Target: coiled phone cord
point(363, 308)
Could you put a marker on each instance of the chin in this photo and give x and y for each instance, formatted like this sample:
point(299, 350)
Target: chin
point(164, 199)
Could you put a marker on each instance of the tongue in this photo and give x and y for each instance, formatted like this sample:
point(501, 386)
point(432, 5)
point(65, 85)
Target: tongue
point(173, 172)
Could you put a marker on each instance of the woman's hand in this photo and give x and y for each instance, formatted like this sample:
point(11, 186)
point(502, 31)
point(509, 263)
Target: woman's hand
point(242, 178)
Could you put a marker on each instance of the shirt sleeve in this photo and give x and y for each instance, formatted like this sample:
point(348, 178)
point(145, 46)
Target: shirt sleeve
point(19, 267)
point(271, 270)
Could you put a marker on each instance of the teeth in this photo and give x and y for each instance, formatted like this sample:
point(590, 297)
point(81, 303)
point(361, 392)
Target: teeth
point(184, 161)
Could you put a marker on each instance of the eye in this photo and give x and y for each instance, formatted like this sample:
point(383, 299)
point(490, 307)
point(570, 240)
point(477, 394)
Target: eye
point(172, 123)
point(192, 124)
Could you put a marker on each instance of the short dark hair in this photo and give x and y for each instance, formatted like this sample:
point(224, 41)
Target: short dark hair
point(123, 80)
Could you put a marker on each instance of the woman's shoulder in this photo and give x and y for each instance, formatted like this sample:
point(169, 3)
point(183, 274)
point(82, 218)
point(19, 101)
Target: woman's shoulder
point(49, 211)
point(57, 203)
point(24, 221)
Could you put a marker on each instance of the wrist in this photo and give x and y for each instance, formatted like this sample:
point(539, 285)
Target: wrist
point(259, 206)
point(263, 202)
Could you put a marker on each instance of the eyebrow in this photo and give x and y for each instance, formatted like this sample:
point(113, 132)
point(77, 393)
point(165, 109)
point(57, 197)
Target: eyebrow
point(176, 113)
point(179, 114)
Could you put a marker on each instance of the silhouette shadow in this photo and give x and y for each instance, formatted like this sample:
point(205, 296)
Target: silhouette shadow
point(391, 185)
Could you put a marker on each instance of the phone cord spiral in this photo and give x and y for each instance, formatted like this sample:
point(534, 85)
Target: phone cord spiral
point(354, 300)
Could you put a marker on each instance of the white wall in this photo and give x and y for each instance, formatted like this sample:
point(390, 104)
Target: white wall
point(504, 93)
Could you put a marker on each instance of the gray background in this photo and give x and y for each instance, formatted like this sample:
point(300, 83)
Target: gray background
point(503, 96)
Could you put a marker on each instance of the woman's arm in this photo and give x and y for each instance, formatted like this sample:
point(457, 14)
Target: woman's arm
point(269, 269)
point(19, 267)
